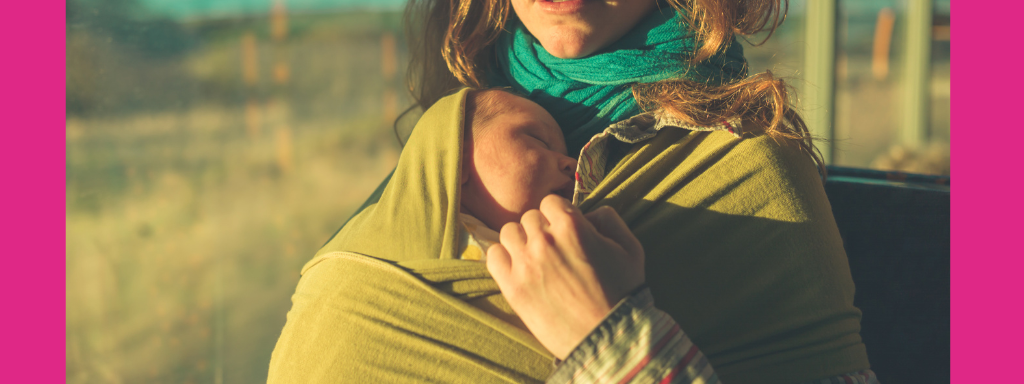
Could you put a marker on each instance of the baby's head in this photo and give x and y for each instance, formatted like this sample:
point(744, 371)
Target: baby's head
point(514, 155)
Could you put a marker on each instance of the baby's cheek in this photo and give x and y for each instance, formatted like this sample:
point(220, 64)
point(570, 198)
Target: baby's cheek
point(515, 168)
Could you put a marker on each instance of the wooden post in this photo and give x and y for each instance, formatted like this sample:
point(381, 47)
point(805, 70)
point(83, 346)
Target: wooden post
point(280, 102)
point(388, 69)
point(917, 74)
point(819, 73)
point(883, 41)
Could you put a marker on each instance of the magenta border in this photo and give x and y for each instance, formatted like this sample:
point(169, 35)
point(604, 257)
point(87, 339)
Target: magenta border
point(32, 158)
point(985, 330)
point(985, 200)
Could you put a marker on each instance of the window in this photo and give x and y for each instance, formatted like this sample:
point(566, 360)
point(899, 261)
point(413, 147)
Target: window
point(871, 78)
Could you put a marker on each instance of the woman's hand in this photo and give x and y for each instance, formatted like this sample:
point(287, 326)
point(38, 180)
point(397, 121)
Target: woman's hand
point(562, 272)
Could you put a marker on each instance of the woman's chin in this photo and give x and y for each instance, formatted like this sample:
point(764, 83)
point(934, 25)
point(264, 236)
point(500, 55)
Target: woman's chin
point(575, 40)
point(568, 54)
point(568, 48)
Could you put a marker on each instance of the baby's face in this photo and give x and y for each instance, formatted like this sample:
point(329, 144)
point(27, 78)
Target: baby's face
point(513, 161)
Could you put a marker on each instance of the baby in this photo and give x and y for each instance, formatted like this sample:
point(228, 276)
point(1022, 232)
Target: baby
point(513, 156)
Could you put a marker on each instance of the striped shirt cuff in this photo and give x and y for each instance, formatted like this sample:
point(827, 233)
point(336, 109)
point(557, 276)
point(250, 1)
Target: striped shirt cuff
point(636, 343)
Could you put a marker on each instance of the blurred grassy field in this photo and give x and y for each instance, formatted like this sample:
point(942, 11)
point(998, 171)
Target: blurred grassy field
point(187, 223)
point(203, 229)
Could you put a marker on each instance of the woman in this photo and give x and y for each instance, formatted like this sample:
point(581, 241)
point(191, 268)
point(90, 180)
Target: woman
point(741, 248)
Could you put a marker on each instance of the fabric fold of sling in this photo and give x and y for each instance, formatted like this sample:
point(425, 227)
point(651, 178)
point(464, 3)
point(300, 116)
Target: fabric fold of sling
point(387, 301)
point(741, 246)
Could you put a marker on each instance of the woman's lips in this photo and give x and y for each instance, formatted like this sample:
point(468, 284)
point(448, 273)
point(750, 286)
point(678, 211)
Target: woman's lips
point(561, 7)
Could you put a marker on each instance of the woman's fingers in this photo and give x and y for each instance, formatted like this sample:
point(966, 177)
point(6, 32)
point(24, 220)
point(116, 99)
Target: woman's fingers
point(561, 273)
point(499, 263)
point(607, 222)
point(566, 222)
point(513, 237)
point(622, 270)
point(558, 202)
point(535, 225)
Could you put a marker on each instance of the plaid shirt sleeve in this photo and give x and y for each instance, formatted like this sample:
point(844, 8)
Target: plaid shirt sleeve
point(637, 343)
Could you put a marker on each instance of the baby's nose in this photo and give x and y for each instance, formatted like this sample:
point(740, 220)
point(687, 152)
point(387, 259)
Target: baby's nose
point(568, 164)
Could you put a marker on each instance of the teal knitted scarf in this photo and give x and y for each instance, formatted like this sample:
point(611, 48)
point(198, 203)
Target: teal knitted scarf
point(588, 94)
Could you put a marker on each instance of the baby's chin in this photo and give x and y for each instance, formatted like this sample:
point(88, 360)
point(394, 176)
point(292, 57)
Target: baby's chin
point(499, 219)
point(493, 217)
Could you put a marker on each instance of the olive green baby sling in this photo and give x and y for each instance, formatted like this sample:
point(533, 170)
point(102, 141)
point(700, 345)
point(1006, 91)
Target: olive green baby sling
point(386, 300)
point(741, 248)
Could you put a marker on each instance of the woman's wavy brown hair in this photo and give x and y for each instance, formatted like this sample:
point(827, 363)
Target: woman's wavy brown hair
point(451, 42)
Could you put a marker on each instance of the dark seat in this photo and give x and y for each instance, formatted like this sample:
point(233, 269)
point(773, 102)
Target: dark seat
point(895, 229)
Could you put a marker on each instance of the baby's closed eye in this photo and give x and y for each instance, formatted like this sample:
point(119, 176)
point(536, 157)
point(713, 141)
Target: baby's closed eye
point(542, 141)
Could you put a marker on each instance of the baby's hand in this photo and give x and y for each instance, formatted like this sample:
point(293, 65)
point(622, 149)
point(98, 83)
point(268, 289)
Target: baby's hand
point(562, 272)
